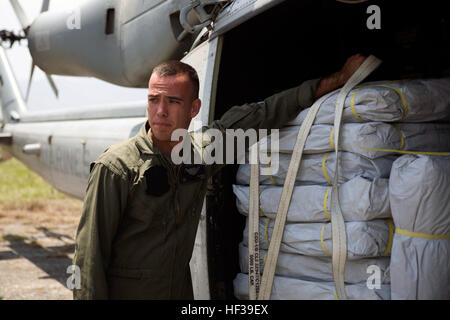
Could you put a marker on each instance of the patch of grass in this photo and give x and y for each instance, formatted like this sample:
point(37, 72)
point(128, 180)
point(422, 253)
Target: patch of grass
point(20, 184)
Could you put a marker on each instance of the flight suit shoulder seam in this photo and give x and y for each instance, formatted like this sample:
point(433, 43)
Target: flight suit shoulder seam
point(109, 165)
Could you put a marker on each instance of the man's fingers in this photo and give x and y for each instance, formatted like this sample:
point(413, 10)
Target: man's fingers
point(354, 61)
point(339, 78)
point(351, 65)
point(356, 56)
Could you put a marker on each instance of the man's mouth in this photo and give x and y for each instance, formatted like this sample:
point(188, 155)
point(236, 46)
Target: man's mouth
point(161, 124)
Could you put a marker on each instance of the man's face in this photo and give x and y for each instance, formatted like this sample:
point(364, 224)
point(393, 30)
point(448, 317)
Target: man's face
point(171, 104)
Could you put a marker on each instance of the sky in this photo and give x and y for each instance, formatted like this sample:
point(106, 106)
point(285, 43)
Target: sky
point(73, 91)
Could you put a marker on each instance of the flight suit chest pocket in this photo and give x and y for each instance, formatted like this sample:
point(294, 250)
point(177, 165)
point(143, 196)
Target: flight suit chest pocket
point(151, 197)
point(192, 183)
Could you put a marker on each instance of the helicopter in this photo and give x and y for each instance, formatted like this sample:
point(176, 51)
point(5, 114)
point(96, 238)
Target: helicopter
point(243, 50)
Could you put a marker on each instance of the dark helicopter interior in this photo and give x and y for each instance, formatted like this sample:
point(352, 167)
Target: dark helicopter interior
point(301, 40)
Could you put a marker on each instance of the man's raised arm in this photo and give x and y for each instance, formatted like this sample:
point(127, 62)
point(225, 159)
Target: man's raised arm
point(282, 107)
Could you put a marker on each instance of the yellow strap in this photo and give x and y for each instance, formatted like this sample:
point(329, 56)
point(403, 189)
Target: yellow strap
point(352, 105)
point(402, 97)
point(408, 152)
point(404, 102)
point(391, 236)
point(402, 138)
point(270, 172)
point(324, 168)
point(322, 242)
point(332, 138)
point(325, 204)
point(266, 230)
point(260, 212)
point(422, 235)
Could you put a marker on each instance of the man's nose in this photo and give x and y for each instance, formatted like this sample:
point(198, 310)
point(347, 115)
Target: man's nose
point(162, 109)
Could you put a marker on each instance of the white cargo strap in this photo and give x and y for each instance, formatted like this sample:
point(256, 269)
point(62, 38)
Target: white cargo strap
point(286, 194)
point(339, 236)
point(338, 229)
point(253, 226)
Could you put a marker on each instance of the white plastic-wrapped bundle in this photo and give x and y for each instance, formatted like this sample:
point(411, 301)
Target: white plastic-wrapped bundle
point(364, 238)
point(319, 268)
point(356, 137)
point(285, 288)
point(420, 100)
point(361, 199)
point(319, 169)
point(420, 201)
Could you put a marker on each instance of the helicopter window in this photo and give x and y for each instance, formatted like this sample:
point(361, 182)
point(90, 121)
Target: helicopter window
point(109, 29)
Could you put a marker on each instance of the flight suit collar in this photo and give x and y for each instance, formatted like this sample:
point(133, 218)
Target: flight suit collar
point(147, 147)
point(144, 143)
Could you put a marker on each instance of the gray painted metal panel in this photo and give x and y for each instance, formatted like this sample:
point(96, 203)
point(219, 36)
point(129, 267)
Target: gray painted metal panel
point(240, 11)
point(68, 147)
point(107, 111)
point(10, 96)
point(205, 59)
point(86, 51)
point(142, 38)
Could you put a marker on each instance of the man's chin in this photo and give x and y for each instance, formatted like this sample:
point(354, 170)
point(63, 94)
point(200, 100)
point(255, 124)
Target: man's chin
point(161, 136)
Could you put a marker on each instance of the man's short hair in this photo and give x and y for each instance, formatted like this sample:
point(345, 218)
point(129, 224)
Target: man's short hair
point(175, 67)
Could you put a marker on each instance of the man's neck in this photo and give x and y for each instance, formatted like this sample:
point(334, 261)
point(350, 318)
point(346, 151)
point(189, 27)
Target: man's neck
point(165, 146)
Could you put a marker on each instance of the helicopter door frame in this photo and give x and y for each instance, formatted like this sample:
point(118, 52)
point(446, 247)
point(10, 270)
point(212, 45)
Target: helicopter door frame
point(206, 60)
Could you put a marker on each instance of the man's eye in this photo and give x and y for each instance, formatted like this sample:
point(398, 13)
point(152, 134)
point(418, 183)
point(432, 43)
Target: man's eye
point(174, 101)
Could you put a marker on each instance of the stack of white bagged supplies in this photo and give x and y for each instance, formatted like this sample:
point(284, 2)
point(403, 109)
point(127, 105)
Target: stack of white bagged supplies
point(420, 204)
point(368, 134)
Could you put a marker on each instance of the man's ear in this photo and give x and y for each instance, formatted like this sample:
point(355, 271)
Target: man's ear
point(195, 107)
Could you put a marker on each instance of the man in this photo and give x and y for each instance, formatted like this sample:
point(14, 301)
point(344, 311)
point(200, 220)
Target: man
point(141, 211)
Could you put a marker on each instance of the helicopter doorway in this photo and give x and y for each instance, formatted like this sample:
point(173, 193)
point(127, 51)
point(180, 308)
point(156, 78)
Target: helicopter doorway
point(300, 40)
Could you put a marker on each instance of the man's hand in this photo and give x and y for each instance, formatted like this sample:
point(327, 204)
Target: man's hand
point(339, 78)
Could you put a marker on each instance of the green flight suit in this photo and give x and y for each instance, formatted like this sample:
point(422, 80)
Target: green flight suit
point(134, 243)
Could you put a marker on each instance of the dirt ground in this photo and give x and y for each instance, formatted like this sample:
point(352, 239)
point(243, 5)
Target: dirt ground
point(36, 248)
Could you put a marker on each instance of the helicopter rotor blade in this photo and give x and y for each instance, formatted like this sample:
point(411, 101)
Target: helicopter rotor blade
point(20, 13)
point(29, 81)
point(23, 19)
point(45, 5)
point(52, 84)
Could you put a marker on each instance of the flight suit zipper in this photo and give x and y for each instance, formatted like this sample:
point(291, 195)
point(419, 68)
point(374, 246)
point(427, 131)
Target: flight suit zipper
point(177, 197)
point(175, 175)
point(174, 172)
